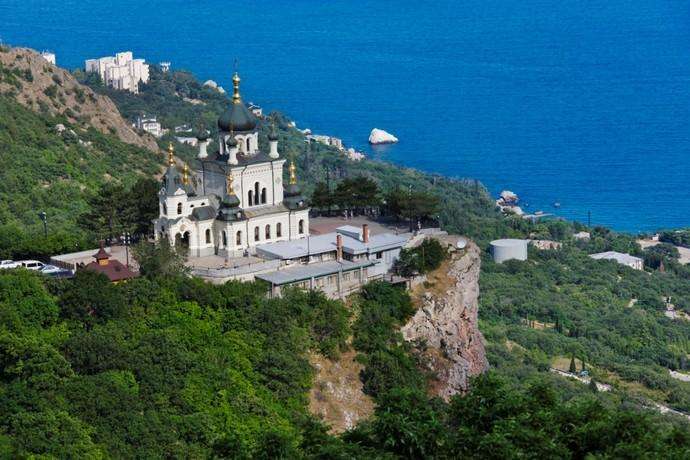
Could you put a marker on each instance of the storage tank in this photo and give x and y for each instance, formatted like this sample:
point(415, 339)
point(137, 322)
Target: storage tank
point(507, 249)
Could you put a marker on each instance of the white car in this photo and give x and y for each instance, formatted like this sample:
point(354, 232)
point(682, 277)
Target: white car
point(31, 264)
point(56, 272)
point(9, 264)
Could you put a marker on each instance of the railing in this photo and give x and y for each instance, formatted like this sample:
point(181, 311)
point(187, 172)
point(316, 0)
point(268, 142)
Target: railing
point(245, 269)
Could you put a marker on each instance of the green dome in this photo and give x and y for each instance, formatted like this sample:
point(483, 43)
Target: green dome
point(231, 142)
point(237, 118)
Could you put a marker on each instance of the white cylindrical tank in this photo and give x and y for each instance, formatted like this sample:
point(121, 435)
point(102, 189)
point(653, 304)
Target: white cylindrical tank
point(507, 249)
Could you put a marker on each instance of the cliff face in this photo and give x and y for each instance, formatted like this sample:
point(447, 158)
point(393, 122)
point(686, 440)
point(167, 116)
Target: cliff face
point(43, 87)
point(446, 321)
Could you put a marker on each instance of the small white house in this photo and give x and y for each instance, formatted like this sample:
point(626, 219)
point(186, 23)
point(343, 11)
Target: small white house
point(623, 259)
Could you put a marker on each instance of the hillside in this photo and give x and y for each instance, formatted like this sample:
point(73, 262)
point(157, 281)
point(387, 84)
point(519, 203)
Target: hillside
point(50, 90)
point(57, 151)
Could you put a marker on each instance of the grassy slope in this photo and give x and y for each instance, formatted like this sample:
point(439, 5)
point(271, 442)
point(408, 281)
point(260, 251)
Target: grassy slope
point(44, 170)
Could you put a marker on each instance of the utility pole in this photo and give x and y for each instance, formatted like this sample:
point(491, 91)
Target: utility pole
point(44, 217)
point(409, 204)
point(328, 186)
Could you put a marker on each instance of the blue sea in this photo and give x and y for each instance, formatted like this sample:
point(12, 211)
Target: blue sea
point(582, 103)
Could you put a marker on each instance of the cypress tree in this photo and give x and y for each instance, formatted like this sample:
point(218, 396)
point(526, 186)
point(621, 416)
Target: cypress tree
point(573, 367)
point(593, 386)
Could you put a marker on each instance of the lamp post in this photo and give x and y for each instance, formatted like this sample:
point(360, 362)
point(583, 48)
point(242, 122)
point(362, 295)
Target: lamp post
point(127, 241)
point(44, 218)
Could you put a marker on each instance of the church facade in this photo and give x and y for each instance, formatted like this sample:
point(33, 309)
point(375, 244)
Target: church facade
point(235, 198)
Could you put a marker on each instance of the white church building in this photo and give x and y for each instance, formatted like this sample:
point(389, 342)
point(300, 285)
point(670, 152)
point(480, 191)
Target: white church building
point(235, 198)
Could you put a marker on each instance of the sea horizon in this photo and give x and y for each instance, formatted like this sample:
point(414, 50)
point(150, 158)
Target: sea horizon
point(557, 103)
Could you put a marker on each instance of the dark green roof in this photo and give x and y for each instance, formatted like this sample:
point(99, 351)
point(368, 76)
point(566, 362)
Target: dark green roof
point(237, 118)
point(204, 213)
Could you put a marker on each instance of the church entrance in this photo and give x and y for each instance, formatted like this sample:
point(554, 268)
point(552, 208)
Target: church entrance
point(182, 241)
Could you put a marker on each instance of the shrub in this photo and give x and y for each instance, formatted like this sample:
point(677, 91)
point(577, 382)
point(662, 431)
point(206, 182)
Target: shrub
point(424, 258)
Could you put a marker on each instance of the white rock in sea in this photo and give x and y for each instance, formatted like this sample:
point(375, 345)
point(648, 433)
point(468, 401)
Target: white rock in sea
point(509, 197)
point(379, 136)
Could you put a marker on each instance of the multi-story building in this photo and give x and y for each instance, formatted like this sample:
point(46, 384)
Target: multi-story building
point(149, 124)
point(121, 71)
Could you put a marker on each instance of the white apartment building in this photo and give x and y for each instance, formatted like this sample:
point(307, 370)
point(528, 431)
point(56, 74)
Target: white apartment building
point(150, 125)
point(121, 71)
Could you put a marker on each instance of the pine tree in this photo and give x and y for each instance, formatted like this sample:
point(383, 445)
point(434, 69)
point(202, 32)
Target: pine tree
point(573, 367)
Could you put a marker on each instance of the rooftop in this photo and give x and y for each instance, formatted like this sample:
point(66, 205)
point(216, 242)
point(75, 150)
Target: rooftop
point(305, 272)
point(313, 245)
point(617, 256)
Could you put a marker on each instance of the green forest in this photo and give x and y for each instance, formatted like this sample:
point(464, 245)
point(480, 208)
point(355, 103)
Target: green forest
point(173, 367)
point(168, 366)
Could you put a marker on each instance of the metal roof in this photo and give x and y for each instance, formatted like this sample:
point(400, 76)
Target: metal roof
point(319, 244)
point(317, 270)
point(617, 256)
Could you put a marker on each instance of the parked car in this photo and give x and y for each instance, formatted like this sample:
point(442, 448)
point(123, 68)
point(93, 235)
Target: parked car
point(31, 264)
point(56, 272)
point(9, 264)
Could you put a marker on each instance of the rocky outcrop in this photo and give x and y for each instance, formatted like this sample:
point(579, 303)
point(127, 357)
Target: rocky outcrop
point(379, 136)
point(445, 326)
point(337, 396)
point(42, 87)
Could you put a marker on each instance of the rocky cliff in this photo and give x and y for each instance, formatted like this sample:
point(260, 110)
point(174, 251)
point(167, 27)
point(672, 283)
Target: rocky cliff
point(446, 326)
point(42, 87)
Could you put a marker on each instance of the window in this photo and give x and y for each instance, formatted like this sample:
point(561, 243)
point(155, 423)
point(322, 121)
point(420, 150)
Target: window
point(208, 236)
point(300, 226)
point(256, 233)
point(256, 192)
point(249, 149)
point(225, 240)
point(379, 254)
point(263, 195)
point(279, 230)
point(251, 196)
point(238, 238)
point(268, 232)
point(179, 208)
point(165, 210)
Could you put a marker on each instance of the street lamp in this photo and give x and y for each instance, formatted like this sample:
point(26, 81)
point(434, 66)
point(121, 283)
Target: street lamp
point(127, 242)
point(44, 218)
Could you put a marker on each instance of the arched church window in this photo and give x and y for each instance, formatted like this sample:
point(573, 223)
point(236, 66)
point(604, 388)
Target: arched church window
point(279, 230)
point(225, 239)
point(179, 208)
point(165, 209)
point(263, 195)
point(300, 226)
point(249, 149)
point(208, 236)
point(268, 232)
point(251, 198)
point(238, 238)
point(256, 192)
point(256, 233)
